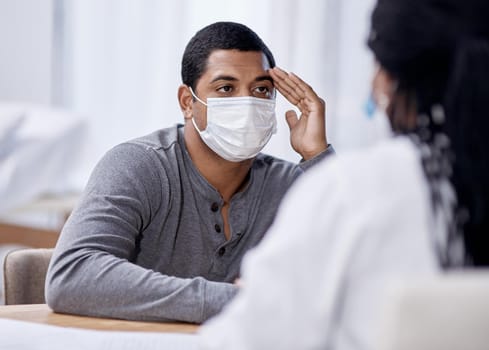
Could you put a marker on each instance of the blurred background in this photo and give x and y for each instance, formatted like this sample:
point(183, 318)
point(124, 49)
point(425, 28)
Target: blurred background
point(80, 76)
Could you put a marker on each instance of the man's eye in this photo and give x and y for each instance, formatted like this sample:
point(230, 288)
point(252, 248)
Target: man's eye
point(264, 92)
point(225, 88)
point(262, 89)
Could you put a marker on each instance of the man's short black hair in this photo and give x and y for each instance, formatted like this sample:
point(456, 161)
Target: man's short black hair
point(218, 36)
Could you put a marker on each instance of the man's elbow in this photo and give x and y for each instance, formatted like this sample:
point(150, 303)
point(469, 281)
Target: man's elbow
point(52, 293)
point(56, 295)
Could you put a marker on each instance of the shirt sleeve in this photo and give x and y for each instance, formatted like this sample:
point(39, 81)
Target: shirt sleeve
point(92, 271)
point(291, 281)
point(307, 164)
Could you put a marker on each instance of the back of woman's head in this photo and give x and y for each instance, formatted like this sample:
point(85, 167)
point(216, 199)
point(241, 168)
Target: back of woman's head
point(438, 52)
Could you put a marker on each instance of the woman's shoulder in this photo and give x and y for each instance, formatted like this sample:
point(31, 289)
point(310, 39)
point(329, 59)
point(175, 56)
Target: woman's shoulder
point(397, 157)
point(390, 165)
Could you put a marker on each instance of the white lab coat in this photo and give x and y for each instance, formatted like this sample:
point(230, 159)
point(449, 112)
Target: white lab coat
point(347, 229)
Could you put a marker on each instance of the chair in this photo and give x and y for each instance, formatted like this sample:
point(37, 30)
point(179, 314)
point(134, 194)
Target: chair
point(24, 275)
point(449, 312)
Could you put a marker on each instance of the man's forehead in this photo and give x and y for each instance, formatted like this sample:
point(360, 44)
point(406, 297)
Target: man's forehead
point(237, 61)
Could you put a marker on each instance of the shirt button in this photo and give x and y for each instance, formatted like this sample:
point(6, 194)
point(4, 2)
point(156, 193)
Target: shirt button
point(217, 228)
point(221, 251)
point(214, 207)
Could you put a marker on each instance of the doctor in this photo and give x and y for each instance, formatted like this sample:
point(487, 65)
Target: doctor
point(411, 207)
point(165, 219)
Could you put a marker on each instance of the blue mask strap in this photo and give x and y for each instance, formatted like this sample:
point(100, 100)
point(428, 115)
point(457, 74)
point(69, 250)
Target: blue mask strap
point(370, 106)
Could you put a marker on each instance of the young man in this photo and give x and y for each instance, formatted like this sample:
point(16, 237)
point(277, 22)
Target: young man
point(165, 219)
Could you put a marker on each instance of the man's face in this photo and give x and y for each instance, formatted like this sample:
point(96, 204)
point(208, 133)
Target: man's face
point(232, 73)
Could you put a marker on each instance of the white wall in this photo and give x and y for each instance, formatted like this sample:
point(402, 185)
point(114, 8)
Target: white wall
point(352, 128)
point(26, 28)
point(119, 82)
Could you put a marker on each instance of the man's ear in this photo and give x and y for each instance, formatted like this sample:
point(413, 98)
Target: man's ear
point(185, 100)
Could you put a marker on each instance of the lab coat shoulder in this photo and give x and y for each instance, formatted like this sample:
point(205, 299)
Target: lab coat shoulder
point(383, 173)
point(294, 280)
point(357, 184)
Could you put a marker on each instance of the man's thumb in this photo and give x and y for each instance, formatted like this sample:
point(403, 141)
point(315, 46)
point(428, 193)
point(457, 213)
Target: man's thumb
point(291, 118)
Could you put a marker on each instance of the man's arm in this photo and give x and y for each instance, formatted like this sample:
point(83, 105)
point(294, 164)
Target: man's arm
point(92, 270)
point(307, 164)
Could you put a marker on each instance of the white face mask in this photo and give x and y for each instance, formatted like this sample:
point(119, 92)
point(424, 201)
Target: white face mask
point(238, 127)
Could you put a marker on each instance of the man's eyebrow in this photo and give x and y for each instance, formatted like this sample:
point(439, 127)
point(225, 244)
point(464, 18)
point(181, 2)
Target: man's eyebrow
point(231, 78)
point(264, 77)
point(224, 77)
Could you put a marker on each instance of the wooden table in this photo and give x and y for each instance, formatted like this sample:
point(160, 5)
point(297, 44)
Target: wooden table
point(41, 313)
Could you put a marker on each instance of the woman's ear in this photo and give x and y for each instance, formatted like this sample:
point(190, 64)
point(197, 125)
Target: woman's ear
point(400, 106)
point(185, 100)
point(384, 87)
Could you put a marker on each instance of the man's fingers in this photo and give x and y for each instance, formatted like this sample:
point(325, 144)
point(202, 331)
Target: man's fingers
point(288, 93)
point(291, 82)
point(284, 80)
point(281, 84)
point(294, 89)
point(306, 89)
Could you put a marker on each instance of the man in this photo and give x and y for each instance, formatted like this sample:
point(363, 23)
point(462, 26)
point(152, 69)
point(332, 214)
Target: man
point(165, 219)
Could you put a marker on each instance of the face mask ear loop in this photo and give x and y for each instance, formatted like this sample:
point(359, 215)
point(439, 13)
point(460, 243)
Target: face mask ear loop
point(198, 99)
point(195, 96)
point(195, 126)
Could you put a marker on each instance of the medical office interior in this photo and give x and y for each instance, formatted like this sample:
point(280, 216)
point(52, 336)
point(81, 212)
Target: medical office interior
point(78, 77)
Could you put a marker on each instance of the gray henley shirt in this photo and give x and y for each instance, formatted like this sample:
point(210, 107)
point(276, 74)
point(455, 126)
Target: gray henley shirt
point(146, 240)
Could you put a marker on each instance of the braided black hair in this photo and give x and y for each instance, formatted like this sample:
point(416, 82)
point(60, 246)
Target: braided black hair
point(438, 51)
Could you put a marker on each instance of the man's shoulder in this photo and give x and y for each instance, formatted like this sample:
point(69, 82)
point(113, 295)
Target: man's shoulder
point(146, 151)
point(266, 160)
point(159, 139)
point(272, 168)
